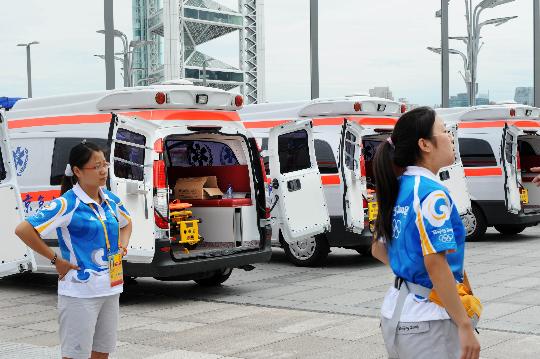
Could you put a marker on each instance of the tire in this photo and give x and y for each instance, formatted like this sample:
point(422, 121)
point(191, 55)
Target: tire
point(364, 251)
point(478, 225)
point(510, 228)
point(217, 279)
point(307, 253)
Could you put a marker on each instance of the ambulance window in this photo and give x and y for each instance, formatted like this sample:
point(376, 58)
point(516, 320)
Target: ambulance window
point(293, 151)
point(135, 155)
point(476, 153)
point(266, 159)
point(60, 158)
point(3, 173)
point(350, 149)
point(200, 153)
point(325, 157)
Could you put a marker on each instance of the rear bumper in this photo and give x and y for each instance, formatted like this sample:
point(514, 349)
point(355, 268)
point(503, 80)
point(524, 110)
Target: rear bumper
point(496, 213)
point(164, 266)
point(340, 237)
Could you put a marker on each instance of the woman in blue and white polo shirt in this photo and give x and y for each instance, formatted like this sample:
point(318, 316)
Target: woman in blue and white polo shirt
point(93, 230)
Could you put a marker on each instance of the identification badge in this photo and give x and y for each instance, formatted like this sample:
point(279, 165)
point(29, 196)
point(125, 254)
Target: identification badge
point(116, 273)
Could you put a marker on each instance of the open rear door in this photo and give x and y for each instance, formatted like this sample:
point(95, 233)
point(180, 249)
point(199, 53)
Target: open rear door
point(131, 180)
point(297, 187)
point(15, 256)
point(453, 177)
point(509, 163)
point(354, 183)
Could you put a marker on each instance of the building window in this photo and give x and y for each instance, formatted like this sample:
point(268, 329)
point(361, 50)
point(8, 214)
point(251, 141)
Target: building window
point(129, 160)
point(60, 158)
point(476, 153)
point(293, 151)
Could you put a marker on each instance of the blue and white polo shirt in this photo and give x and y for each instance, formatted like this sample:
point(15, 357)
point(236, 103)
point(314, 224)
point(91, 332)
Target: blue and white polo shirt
point(81, 238)
point(425, 221)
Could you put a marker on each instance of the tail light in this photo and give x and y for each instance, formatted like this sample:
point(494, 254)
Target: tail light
point(403, 108)
point(238, 101)
point(518, 161)
point(357, 106)
point(161, 200)
point(512, 112)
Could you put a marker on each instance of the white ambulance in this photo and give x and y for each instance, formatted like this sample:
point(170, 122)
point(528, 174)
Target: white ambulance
point(347, 133)
point(498, 145)
point(157, 135)
point(15, 256)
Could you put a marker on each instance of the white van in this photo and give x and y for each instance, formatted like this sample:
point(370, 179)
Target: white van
point(15, 256)
point(157, 135)
point(347, 133)
point(498, 145)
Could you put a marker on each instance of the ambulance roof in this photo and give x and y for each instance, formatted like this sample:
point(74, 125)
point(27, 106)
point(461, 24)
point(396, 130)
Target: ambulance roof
point(489, 113)
point(340, 106)
point(178, 95)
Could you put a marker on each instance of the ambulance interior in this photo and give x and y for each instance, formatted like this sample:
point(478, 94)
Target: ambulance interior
point(224, 223)
point(370, 144)
point(529, 156)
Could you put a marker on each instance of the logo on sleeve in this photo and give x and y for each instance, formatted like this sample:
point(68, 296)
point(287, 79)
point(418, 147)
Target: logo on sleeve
point(436, 208)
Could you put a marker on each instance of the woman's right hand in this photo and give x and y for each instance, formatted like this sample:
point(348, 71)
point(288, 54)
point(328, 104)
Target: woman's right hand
point(470, 347)
point(63, 267)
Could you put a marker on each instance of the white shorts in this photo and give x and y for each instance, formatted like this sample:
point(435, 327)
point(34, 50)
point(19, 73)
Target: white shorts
point(425, 340)
point(88, 324)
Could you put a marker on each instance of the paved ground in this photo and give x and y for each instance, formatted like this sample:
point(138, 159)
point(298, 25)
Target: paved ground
point(281, 311)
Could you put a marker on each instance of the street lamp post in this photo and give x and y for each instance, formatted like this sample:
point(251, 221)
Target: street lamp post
point(29, 65)
point(466, 73)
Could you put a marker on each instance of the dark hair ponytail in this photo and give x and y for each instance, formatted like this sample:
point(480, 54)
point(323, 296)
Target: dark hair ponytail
point(78, 157)
point(400, 151)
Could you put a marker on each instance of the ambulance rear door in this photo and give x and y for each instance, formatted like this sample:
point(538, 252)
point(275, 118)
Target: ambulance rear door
point(131, 141)
point(15, 256)
point(297, 189)
point(354, 184)
point(453, 177)
point(508, 157)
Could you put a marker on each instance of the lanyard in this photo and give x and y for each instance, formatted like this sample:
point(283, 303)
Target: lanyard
point(96, 212)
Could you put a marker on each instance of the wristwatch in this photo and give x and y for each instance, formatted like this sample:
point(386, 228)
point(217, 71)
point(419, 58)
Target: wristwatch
point(53, 260)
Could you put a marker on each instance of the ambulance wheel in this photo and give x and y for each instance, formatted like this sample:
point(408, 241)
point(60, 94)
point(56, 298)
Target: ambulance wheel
point(477, 223)
point(365, 251)
point(216, 279)
point(510, 228)
point(308, 252)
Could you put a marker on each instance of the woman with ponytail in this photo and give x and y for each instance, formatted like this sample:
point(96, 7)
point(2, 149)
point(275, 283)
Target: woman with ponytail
point(419, 234)
point(93, 229)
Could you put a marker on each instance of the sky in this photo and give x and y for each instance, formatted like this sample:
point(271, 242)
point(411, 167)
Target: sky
point(362, 44)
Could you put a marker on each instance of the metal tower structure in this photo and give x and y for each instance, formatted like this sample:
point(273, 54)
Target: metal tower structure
point(178, 27)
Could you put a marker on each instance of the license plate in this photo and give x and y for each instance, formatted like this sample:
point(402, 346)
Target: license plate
point(524, 196)
point(373, 208)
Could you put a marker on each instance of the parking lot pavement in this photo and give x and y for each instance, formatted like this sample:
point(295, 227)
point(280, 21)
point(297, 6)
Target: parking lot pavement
point(282, 311)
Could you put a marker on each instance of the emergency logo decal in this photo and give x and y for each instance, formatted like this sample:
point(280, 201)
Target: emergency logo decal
point(200, 155)
point(227, 156)
point(436, 208)
point(20, 158)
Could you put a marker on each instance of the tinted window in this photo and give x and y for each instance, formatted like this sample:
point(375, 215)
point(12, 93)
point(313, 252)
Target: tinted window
point(62, 148)
point(350, 147)
point(134, 155)
point(200, 153)
point(3, 173)
point(476, 153)
point(325, 157)
point(293, 151)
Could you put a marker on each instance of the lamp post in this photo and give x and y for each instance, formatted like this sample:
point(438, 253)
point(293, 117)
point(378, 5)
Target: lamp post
point(473, 29)
point(29, 65)
point(536, 58)
point(121, 35)
point(466, 73)
point(314, 46)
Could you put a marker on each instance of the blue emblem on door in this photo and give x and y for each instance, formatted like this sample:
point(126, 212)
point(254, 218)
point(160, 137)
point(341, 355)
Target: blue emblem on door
point(20, 158)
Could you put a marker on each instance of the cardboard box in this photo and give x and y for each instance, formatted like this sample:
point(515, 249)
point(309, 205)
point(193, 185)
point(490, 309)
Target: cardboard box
point(197, 188)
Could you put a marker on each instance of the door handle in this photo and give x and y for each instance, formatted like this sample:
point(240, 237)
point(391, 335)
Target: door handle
point(275, 183)
point(294, 185)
